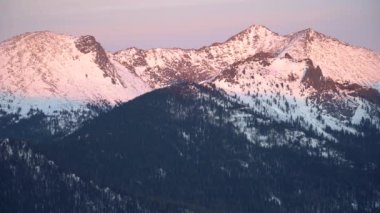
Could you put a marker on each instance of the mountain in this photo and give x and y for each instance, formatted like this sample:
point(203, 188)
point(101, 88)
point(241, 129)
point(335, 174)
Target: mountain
point(259, 123)
point(340, 61)
point(181, 145)
point(71, 79)
point(305, 75)
point(57, 73)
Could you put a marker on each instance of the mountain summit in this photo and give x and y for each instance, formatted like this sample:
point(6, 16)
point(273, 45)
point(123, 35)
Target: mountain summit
point(48, 66)
point(64, 77)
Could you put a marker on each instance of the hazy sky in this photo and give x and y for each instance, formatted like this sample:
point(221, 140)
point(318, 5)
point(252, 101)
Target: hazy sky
point(119, 24)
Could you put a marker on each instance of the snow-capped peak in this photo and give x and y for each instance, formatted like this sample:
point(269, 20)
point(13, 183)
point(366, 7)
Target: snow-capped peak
point(260, 30)
point(159, 67)
point(309, 32)
point(339, 61)
point(63, 68)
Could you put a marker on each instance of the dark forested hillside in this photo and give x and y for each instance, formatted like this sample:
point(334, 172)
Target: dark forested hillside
point(178, 146)
point(31, 183)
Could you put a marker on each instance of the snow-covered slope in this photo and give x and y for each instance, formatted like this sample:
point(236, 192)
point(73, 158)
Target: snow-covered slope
point(340, 61)
point(298, 91)
point(53, 71)
point(67, 79)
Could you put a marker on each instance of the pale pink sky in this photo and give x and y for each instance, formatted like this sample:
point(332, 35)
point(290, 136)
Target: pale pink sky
point(119, 24)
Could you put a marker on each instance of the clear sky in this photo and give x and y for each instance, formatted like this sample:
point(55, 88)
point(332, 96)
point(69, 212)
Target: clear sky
point(119, 24)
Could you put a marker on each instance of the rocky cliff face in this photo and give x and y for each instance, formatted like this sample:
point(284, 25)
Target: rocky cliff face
point(88, 44)
point(313, 77)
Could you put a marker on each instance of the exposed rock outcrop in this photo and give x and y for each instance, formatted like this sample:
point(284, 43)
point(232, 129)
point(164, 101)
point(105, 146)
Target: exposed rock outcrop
point(314, 78)
point(88, 44)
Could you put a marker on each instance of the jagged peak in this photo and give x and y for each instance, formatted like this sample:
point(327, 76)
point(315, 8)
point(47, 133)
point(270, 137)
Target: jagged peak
point(259, 27)
point(309, 30)
point(310, 35)
point(254, 31)
point(312, 32)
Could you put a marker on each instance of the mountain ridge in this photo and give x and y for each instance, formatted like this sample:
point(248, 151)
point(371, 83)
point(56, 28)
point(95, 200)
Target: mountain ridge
point(308, 43)
point(56, 72)
point(279, 124)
